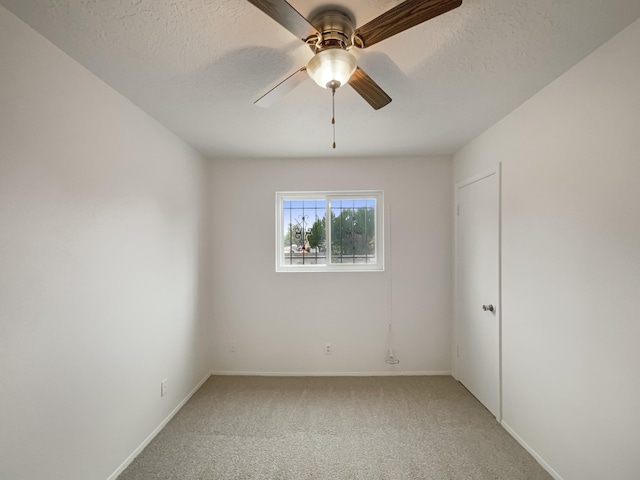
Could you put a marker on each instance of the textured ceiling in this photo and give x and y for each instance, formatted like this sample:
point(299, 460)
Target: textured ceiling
point(197, 66)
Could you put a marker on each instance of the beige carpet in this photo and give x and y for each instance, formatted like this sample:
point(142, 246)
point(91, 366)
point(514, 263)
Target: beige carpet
point(334, 428)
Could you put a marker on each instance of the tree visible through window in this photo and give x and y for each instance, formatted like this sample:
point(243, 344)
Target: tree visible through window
point(349, 240)
point(353, 231)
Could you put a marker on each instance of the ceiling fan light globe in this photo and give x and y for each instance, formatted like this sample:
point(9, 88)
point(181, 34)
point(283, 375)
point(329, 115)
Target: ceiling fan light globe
point(330, 66)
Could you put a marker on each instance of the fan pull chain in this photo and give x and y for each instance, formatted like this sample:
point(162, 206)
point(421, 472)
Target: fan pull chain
point(333, 115)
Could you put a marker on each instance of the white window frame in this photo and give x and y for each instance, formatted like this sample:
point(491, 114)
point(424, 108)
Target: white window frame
point(377, 266)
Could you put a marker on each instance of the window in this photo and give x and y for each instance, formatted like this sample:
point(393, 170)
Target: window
point(329, 231)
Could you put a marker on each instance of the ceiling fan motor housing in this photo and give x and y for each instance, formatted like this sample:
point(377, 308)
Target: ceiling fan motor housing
point(335, 28)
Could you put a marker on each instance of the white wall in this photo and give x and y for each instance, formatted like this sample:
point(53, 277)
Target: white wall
point(101, 225)
point(571, 263)
point(281, 321)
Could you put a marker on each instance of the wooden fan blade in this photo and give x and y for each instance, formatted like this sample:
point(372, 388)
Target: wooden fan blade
point(400, 18)
point(287, 16)
point(281, 89)
point(368, 89)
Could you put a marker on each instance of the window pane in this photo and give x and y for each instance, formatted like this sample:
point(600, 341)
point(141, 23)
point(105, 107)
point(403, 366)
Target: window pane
point(304, 236)
point(345, 240)
point(353, 231)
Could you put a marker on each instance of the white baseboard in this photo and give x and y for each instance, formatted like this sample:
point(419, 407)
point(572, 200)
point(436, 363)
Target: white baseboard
point(157, 430)
point(333, 374)
point(533, 453)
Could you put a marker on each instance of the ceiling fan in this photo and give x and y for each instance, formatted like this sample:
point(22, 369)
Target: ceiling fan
point(330, 33)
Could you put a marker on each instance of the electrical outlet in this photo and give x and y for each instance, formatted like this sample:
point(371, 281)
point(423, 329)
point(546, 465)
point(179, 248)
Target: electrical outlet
point(163, 387)
point(233, 346)
point(327, 349)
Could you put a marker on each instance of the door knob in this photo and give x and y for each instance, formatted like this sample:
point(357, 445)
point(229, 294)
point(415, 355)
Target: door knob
point(489, 307)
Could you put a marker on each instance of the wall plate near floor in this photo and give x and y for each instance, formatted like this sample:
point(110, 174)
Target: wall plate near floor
point(163, 387)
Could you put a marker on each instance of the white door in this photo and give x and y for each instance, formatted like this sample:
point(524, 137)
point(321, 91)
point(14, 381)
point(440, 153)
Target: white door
point(477, 335)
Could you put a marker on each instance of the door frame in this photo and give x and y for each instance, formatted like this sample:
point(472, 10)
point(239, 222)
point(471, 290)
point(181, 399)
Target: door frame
point(495, 170)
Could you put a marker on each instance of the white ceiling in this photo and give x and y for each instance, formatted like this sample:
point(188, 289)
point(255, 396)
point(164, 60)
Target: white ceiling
point(197, 66)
